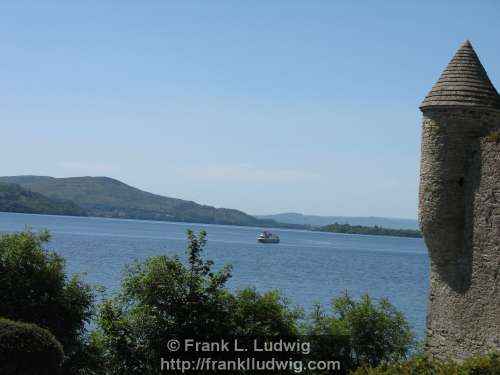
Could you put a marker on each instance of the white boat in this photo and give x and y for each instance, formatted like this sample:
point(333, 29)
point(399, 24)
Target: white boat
point(268, 237)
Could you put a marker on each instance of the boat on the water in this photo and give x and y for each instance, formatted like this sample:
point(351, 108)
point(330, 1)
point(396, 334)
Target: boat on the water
point(268, 237)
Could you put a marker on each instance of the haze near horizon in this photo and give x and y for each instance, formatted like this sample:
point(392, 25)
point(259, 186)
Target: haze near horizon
point(309, 107)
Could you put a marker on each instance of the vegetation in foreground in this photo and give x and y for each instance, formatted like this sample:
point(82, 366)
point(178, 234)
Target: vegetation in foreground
point(34, 288)
point(24, 346)
point(422, 364)
point(375, 231)
point(163, 296)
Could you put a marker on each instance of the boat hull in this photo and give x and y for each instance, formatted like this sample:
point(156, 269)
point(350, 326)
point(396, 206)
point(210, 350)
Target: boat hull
point(268, 240)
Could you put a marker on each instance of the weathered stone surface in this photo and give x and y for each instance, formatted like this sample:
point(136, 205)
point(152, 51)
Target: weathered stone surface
point(460, 218)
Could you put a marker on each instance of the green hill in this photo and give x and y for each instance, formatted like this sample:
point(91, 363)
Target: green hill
point(107, 197)
point(13, 198)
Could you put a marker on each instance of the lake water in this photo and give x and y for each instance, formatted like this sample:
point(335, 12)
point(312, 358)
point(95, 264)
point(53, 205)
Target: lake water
point(308, 267)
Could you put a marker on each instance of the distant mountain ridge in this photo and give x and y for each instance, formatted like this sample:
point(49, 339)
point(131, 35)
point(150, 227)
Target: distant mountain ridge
point(107, 197)
point(319, 221)
point(13, 198)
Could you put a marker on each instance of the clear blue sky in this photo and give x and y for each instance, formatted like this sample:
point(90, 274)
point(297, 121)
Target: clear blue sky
point(265, 106)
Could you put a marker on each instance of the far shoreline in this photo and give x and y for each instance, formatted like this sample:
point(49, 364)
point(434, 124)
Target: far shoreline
point(184, 223)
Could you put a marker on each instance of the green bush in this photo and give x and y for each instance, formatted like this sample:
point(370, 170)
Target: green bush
point(424, 365)
point(482, 365)
point(494, 137)
point(26, 349)
point(360, 332)
point(161, 297)
point(263, 314)
point(35, 289)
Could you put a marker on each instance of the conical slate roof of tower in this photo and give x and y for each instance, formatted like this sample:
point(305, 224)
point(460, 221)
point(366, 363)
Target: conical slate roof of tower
point(464, 83)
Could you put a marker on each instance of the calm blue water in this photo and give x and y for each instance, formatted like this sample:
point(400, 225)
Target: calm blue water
point(309, 267)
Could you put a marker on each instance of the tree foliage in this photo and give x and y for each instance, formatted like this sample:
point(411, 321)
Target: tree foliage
point(161, 297)
point(488, 364)
point(35, 289)
point(360, 332)
point(26, 349)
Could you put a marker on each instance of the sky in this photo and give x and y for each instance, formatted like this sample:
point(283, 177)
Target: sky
point(263, 106)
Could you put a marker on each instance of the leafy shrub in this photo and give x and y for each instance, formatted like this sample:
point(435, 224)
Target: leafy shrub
point(161, 297)
point(26, 349)
point(494, 137)
point(482, 365)
point(360, 332)
point(267, 314)
point(424, 365)
point(35, 289)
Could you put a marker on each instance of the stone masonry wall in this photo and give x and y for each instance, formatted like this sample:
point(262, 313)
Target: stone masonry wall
point(460, 219)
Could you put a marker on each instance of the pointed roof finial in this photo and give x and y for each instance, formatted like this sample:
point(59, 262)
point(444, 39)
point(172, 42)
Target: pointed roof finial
point(464, 83)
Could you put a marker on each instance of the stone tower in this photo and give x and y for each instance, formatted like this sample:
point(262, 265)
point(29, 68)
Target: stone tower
point(460, 208)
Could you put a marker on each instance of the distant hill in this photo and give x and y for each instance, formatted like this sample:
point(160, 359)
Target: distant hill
point(314, 220)
point(13, 198)
point(107, 197)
